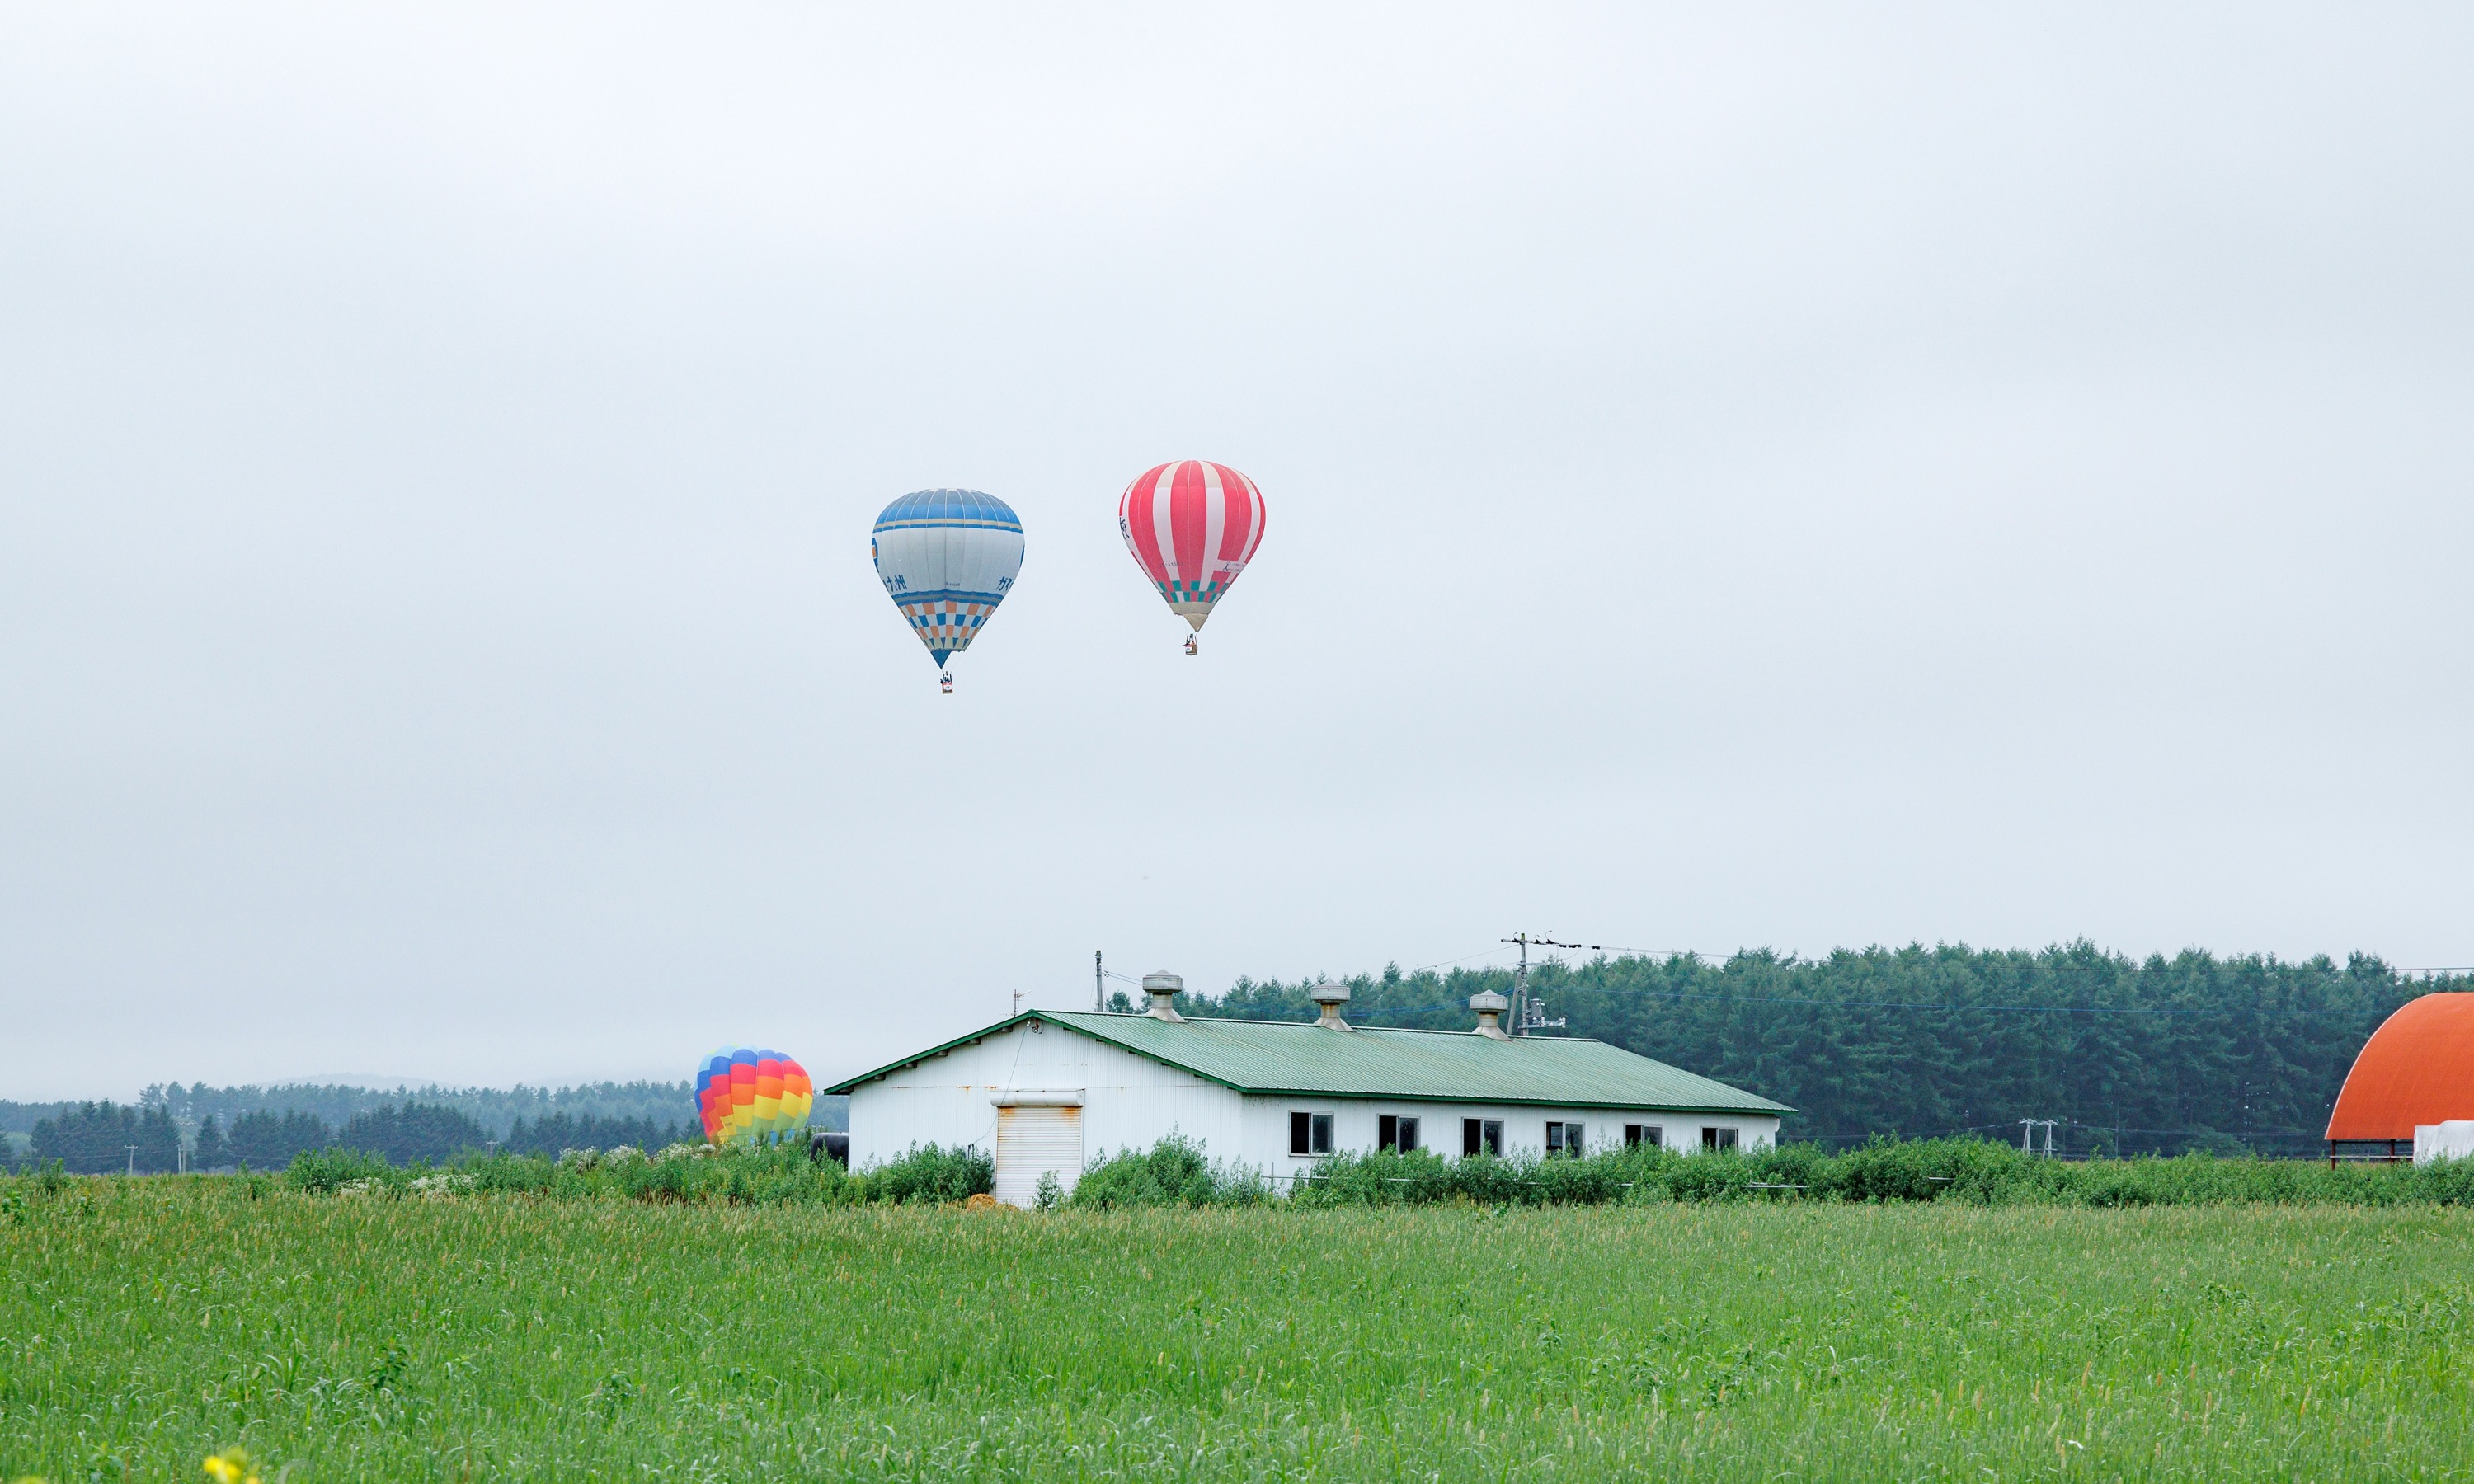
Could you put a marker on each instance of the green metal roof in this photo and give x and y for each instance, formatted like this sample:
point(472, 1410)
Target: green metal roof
point(1301, 1058)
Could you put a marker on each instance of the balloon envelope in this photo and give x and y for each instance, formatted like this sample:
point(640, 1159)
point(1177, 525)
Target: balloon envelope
point(742, 1092)
point(947, 558)
point(1193, 527)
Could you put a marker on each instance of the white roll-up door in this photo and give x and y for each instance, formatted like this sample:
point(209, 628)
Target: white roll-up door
point(1035, 1141)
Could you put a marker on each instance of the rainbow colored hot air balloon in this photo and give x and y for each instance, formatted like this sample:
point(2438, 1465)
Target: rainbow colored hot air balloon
point(742, 1093)
point(1192, 526)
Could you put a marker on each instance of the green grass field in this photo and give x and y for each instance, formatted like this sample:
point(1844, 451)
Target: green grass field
point(145, 1323)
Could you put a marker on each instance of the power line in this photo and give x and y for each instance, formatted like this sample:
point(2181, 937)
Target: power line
point(1892, 1004)
point(1674, 953)
point(1450, 961)
point(1605, 947)
point(1880, 1004)
point(1364, 1011)
point(1874, 1004)
point(2070, 1123)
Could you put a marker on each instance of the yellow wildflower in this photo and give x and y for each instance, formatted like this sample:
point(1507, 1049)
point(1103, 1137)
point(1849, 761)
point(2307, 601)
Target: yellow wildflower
point(232, 1465)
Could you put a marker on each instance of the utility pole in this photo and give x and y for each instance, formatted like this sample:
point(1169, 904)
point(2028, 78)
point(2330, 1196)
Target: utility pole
point(1520, 985)
point(133, 1159)
point(1526, 1011)
point(1099, 984)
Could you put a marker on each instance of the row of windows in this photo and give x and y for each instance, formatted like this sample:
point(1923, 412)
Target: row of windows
point(1310, 1134)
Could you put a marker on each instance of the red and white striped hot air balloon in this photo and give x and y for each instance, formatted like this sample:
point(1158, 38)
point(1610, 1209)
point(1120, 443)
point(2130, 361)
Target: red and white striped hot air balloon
point(1192, 526)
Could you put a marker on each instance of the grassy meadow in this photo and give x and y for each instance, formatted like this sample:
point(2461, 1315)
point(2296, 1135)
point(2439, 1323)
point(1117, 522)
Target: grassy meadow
point(146, 1324)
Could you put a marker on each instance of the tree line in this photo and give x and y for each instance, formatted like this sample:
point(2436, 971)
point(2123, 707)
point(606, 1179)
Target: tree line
point(495, 1109)
point(93, 1139)
point(2162, 1055)
point(500, 1111)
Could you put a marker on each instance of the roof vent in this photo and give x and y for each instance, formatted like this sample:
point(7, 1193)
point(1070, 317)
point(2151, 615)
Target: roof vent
point(1331, 996)
point(1490, 1006)
point(1163, 988)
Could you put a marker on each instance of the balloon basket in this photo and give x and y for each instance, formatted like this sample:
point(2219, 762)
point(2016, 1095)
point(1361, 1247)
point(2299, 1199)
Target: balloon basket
point(1191, 647)
point(945, 683)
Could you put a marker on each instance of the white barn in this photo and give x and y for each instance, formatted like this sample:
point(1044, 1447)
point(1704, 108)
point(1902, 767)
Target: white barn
point(1047, 1092)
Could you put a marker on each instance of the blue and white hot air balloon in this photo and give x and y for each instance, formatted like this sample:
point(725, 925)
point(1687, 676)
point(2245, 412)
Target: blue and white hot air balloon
point(947, 558)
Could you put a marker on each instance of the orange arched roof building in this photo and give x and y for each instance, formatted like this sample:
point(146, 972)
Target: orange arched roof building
point(2417, 1067)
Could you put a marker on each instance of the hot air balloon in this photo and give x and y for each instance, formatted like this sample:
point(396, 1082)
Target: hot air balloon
point(947, 558)
point(1192, 526)
point(742, 1093)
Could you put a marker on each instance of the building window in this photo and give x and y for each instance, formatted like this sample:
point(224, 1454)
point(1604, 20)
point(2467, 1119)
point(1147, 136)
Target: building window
point(1395, 1134)
point(1309, 1133)
point(1481, 1136)
point(1717, 1138)
point(1565, 1138)
point(1637, 1134)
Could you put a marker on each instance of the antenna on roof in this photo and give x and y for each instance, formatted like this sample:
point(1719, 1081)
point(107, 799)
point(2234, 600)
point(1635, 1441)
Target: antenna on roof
point(1099, 984)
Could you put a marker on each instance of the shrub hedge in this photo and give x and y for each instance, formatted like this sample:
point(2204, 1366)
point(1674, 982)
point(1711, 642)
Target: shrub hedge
point(1942, 1169)
point(1173, 1173)
point(738, 1175)
point(1176, 1173)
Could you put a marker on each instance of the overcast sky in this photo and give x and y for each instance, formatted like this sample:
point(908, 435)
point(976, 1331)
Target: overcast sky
point(1791, 478)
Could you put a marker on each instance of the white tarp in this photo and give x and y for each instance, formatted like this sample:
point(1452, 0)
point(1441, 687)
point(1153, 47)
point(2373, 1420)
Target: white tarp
point(2452, 1140)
